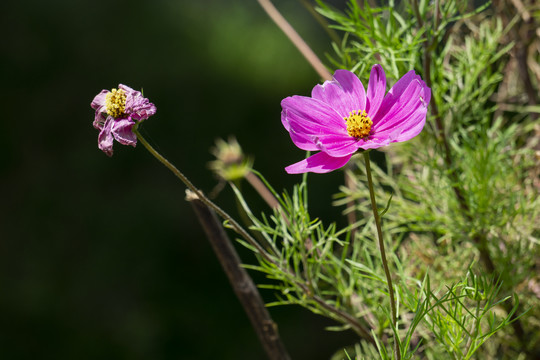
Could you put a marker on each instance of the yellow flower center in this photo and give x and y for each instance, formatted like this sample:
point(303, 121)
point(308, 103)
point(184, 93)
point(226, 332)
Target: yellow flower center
point(358, 124)
point(115, 103)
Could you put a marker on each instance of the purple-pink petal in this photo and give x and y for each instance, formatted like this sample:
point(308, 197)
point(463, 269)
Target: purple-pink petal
point(303, 141)
point(414, 126)
point(122, 131)
point(336, 145)
point(352, 86)
point(129, 90)
point(99, 100)
point(98, 104)
point(99, 119)
point(307, 119)
point(303, 108)
point(373, 143)
point(105, 138)
point(376, 90)
point(399, 106)
point(319, 163)
point(139, 108)
point(344, 94)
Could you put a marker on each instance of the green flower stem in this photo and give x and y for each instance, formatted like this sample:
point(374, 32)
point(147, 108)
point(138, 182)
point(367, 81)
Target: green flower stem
point(203, 198)
point(383, 254)
point(337, 313)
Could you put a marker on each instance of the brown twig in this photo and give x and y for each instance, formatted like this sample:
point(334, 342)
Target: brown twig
point(242, 284)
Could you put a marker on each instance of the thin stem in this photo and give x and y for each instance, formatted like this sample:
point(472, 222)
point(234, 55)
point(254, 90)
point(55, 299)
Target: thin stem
point(383, 255)
point(300, 44)
point(474, 330)
point(202, 197)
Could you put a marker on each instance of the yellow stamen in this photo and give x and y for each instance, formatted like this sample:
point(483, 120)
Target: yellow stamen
point(358, 124)
point(115, 103)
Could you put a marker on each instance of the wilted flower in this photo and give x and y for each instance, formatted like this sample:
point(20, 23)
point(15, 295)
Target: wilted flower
point(116, 113)
point(340, 117)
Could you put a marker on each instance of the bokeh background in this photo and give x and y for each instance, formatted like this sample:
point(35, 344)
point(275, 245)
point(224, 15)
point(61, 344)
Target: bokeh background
point(102, 258)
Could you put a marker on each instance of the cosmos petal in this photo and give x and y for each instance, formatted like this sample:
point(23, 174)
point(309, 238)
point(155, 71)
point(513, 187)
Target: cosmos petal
point(122, 131)
point(99, 100)
point(400, 106)
point(319, 163)
point(306, 109)
point(376, 90)
point(105, 138)
point(344, 94)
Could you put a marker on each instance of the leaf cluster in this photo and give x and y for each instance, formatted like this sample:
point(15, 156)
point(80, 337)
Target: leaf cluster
point(462, 210)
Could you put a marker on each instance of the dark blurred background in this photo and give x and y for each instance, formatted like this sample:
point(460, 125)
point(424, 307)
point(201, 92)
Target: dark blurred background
point(102, 257)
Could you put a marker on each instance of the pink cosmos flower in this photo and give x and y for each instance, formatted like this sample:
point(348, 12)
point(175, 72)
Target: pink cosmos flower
point(340, 117)
point(116, 113)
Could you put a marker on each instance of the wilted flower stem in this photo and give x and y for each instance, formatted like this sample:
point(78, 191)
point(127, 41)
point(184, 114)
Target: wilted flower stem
point(203, 198)
point(383, 255)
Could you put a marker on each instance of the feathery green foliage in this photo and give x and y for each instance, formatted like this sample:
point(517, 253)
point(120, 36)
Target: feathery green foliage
point(462, 208)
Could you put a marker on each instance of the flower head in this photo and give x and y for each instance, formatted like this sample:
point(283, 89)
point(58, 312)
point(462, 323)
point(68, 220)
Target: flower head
point(116, 113)
point(341, 117)
point(231, 164)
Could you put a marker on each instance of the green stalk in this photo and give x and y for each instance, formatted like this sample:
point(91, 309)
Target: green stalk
point(202, 197)
point(383, 255)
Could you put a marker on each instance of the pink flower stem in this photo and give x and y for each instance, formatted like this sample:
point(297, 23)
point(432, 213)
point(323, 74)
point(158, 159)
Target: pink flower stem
point(300, 44)
point(383, 255)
